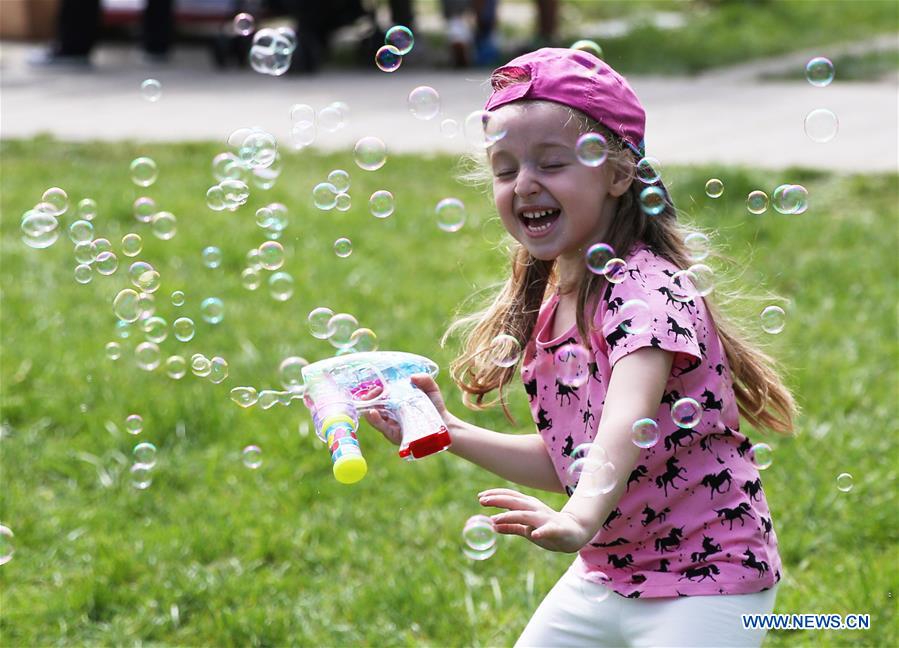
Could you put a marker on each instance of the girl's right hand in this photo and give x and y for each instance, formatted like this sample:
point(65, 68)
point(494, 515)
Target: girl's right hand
point(383, 421)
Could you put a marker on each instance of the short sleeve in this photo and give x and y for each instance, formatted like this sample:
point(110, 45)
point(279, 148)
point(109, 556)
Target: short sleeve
point(642, 311)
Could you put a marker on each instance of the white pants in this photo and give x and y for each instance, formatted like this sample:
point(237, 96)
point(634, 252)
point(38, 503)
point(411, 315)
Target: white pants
point(571, 615)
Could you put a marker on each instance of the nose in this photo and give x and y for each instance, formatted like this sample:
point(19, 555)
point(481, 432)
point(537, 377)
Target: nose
point(526, 183)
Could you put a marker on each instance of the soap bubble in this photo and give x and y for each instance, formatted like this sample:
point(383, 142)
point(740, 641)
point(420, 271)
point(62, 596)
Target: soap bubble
point(83, 253)
point(844, 482)
point(590, 470)
point(147, 304)
point(107, 263)
point(589, 46)
point(218, 370)
point(280, 286)
point(343, 247)
point(790, 199)
point(821, 125)
point(250, 278)
point(132, 244)
point(652, 200)
point(6, 544)
point(87, 209)
point(319, 321)
point(175, 367)
point(151, 90)
point(83, 273)
point(370, 153)
point(141, 476)
point(212, 310)
point(183, 329)
point(597, 256)
point(145, 454)
point(178, 298)
point(265, 177)
point(100, 245)
point(156, 329)
point(591, 149)
point(54, 201)
point(340, 180)
point(479, 534)
point(113, 350)
point(757, 202)
point(126, 305)
point(424, 102)
point(819, 71)
point(697, 245)
point(449, 128)
point(244, 396)
point(134, 424)
point(272, 51)
point(343, 325)
point(686, 413)
point(773, 319)
point(200, 365)
point(147, 356)
point(164, 225)
point(761, 455)
point(81, 231)
point(364, 339)
point(271, 255)
point(645, 433)
point(649, 170)
point(212, 257)
point(215, 198)
point(636, 316)
point(302, 134)
point(714, 188)
point(572, 363)
point(144, 276)
point(343, 202)
point(483, 128)
point(252, 457)
point(450, 214)
point(291, 372)
point(324, 196)
point(615, 270)
point(504, 350)
point(39, 229)
point(331, 118)
point(388, 58)
point(401, 38)
point(381, 204)
point(144, 171)
point(243, 24)
point(144, 209)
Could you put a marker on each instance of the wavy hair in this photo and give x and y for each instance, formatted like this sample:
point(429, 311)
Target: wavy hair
point(762, 397)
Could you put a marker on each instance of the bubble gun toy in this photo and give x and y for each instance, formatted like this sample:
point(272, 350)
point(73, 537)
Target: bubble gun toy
point(338, 388)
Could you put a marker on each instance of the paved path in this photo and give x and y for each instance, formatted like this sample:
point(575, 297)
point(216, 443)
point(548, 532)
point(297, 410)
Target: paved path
point(725, 117)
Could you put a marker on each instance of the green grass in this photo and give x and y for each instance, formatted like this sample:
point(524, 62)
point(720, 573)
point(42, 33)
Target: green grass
point(216, 554)
point(722, 33)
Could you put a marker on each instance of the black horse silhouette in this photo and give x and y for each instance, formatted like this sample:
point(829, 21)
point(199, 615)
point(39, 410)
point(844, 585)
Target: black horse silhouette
point(687, 368)
point(593, 368)
point(678, 330)
point(655, 342)
point(638, 579)
point(744, 447)
point(651, 515)
point(568, 447)
point(636, 474)
point(621, 563)
point(588, 416)
point(635, 269)
point(710, 403)
point(737, 513)
point(715, 481)
point(719, 369)
point(663, 565)
point(618, 334)
point(552, 349)
point(565, 391)
point(615, 304)
point(614, 515)
point(708, 548)
point(706, 442)
point(674, 439)
point(672, 472)
point(543, 422)
point(634, 594)
point(752, 563)
point(702, 573)
point(671, 541)
point(614, 543)
point(753, 489)
point(530, 388)
point(669, 299)
point(766, 525)
point(670, 398)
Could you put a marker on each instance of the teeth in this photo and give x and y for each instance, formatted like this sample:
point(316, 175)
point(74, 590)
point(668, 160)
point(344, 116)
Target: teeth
point(537, 214)
point(539, 228)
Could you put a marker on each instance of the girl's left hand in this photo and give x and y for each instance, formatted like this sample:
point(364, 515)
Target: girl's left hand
point(530, 518)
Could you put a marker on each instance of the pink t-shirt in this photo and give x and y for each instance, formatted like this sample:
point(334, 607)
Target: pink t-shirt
point(694, 519)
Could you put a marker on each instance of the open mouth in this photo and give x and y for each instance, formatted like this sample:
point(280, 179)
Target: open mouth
point(537, 222)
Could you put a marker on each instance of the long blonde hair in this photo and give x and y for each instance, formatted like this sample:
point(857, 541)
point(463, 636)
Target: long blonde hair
point(762, 397)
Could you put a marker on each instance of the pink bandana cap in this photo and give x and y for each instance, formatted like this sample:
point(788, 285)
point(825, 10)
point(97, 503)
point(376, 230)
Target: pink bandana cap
point(576, 79)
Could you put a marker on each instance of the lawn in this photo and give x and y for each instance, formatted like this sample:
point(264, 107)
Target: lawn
point(214, 553)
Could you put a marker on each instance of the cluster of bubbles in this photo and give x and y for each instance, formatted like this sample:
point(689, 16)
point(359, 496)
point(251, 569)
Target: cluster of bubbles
point(591, 471)
point(398, 42)
point(479, 535)
point(600, 259)
point(653, 198)
point(821, 125)
point(786, 199)
point(40, 224)
point(305, 122)
point(272, 50)
point(143, 454)
point(268, 256)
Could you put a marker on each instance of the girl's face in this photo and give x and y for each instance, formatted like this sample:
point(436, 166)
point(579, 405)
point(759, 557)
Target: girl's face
point(548, 200)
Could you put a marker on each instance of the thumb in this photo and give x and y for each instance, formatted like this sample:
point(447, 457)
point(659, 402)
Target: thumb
point(426, 384)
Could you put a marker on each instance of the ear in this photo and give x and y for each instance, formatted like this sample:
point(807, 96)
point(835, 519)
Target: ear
point(622, 177)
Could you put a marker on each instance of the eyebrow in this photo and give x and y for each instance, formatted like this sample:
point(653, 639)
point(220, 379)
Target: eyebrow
point(540, 146)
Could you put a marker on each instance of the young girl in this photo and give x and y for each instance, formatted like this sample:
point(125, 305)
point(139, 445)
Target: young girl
point(680, 530)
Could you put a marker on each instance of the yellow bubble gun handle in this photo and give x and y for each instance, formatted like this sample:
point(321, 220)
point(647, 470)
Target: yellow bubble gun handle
point(348, 464)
